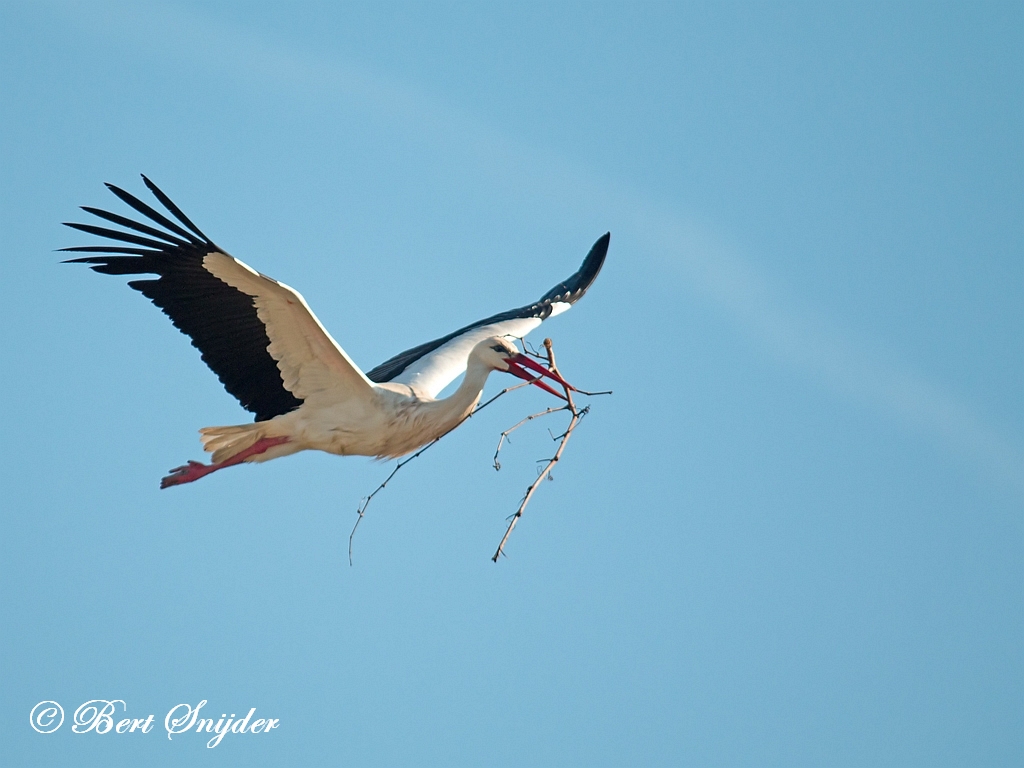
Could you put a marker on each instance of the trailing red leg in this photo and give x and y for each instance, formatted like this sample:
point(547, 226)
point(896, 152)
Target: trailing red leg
point(194, 469)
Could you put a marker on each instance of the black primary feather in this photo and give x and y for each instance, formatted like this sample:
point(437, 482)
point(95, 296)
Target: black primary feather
point(221, 320)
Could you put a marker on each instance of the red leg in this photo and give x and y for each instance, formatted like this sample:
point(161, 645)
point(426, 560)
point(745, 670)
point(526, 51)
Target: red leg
point(194, 469)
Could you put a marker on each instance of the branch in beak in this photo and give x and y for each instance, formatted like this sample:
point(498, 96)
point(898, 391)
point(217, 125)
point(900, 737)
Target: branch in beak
point(515, 368)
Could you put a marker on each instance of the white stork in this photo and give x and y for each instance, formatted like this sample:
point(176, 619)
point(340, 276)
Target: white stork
point(269, 350)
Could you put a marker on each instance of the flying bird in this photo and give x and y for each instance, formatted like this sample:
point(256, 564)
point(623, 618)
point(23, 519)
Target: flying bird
point(270, 352)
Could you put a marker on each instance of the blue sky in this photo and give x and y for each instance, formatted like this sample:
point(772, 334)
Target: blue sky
point(793, 536)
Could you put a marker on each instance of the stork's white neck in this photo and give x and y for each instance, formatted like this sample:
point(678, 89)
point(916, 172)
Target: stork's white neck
point(453, 410)
point(415, 421)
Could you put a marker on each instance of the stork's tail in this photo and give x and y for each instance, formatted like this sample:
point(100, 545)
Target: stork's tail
point(225, 442)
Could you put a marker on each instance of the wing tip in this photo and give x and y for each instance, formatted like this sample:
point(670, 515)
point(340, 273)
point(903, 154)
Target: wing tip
point(591, 266)
point(601, 245)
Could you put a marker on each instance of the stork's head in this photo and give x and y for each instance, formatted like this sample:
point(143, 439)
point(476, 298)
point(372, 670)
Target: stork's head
point(500, 354)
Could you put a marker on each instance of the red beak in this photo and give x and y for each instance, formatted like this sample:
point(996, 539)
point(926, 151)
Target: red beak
point(515, 368)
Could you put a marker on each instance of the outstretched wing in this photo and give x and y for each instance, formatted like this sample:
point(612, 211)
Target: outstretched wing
point(430, 367)
point(258, 335)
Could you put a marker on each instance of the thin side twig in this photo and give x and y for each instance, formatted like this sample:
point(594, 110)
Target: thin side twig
point(504, 435)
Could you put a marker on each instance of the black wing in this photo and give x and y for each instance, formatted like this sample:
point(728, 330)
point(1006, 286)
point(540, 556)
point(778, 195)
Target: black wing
point(221, 320)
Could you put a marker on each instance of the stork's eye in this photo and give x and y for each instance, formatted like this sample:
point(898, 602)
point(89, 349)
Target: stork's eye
point(499, 348)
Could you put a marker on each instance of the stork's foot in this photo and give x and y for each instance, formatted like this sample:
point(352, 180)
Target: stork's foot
point(188, 473)
point(192, 471)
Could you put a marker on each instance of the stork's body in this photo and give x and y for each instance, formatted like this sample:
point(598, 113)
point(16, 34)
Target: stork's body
point(271, 352)
point(389, 421)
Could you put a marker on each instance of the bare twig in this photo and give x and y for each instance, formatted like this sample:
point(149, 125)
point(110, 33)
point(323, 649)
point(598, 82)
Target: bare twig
point(505, 391)
point(592, 394)
point(529, 349)
point(366, 501)
point(510, 430)
point(577, 414)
